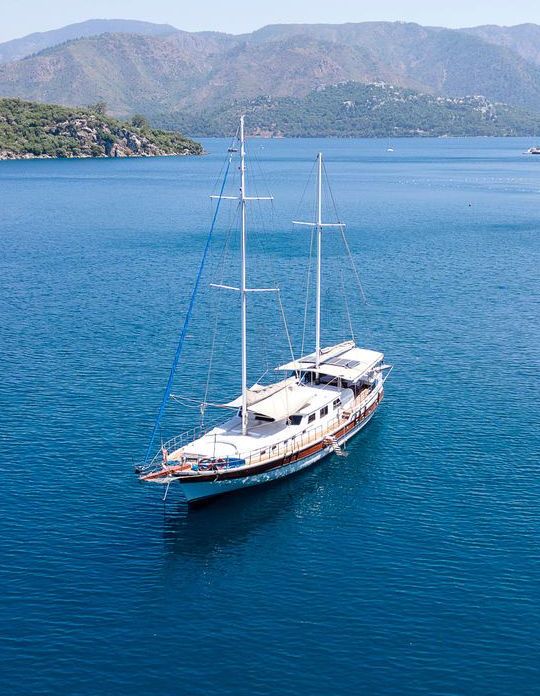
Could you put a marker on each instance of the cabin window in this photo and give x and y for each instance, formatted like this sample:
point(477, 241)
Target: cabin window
point(264, 419)
point(337, 403)
point(311, 418)
point(324, 411)
point(295, 420)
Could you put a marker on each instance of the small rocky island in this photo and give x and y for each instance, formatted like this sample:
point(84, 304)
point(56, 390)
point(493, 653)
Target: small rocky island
point(32, 130)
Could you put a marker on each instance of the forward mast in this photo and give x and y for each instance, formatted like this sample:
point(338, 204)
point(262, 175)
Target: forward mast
point(244, 290)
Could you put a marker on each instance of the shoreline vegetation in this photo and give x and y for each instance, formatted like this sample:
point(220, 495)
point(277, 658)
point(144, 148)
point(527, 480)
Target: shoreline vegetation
point(354, 110)
point(31, 130)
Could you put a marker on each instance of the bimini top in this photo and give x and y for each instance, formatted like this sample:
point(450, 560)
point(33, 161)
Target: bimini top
point(344, 361)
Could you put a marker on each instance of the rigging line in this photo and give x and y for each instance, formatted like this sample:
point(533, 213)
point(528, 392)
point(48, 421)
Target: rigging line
point(350, 256)
point(219, 270)
point(257, 238)
point(265, 349)
point(187, 319)
point(185, 404)
point(330, 191)
point(219, 258)
point(232, 213)
point(285, 324)
point(297, 214)
point(220, 263)
point(275, 283)
point(344, 291)
point(261, 248)
point(225, 165)
point(353, 265)
point(262, 376)
point(344, 238)
point(258, 184)
point(308, 280)
point(264, 182)
point(214, 335)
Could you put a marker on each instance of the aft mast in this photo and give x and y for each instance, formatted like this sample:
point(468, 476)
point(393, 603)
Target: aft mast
point(243, 290)
point(319, 264)
point(319, 225)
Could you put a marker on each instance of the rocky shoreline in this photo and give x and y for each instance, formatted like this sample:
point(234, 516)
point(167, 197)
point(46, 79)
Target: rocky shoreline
point(36, 131)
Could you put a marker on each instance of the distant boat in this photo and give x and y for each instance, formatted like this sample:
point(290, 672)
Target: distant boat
point(534, 150)
point(281, 428)
point(389, 148)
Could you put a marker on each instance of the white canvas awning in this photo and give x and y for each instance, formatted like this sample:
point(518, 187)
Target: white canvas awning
point(344, 361)
point(283, 403)
point(258, 392)
point(308, 360)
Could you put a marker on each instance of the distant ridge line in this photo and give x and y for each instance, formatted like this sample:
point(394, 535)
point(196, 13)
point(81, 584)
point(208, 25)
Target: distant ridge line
point(140, 67)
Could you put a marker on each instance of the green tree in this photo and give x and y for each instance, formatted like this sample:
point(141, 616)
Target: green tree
point(100, 108)
point(139, 121)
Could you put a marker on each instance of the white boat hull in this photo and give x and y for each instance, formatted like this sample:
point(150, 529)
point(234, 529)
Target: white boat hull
point(204, 490)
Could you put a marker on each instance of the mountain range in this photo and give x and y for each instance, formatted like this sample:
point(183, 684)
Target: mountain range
point(157, 69)
point(25, 46)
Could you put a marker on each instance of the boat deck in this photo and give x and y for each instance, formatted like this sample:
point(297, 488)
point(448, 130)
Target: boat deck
point(362, 405)
point(266, 441)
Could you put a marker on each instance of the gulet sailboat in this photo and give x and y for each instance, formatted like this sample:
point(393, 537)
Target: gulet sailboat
point(321, 400)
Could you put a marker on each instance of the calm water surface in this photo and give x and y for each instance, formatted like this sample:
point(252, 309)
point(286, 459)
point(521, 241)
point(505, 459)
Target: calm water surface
point(412, 566)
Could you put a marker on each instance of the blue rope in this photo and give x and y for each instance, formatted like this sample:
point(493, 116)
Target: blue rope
point(186, 320)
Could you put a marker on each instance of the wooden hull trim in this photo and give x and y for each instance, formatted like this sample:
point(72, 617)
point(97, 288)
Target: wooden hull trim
point(200, 491)
point(201, 486)
point(176, 473)
point(283, 461)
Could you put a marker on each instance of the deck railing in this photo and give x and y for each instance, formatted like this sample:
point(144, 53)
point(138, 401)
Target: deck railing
point(183, 439)
point(362, 403)
point(310, 435)
point(283, 448)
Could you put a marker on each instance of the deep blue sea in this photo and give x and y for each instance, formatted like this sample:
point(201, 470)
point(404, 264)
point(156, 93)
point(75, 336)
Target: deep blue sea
point(410, 567)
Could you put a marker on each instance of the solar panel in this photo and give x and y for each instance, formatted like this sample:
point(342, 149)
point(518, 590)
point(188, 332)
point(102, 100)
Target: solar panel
point(342, 362)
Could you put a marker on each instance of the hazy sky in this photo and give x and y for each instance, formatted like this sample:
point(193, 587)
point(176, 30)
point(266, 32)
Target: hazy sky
point(20, 17)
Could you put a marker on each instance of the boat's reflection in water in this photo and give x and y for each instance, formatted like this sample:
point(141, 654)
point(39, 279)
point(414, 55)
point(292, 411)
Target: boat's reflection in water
point(226, 522)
